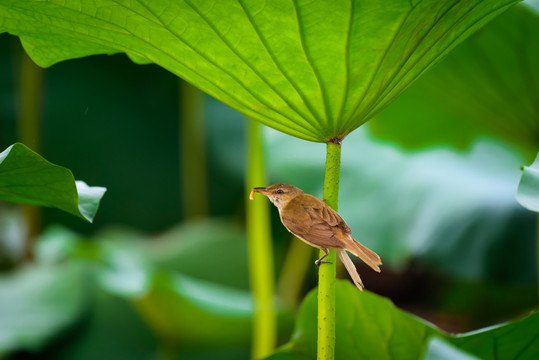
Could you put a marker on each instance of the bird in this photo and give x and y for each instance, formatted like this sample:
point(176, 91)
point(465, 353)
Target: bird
point(317, 224)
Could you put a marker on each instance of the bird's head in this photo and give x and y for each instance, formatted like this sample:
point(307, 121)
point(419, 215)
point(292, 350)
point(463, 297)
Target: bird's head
point(279, 194)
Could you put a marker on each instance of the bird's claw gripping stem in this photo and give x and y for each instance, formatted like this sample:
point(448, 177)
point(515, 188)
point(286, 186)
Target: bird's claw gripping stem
point(320, 261)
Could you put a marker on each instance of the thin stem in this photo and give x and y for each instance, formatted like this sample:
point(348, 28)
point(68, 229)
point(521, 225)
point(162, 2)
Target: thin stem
point(297, 262)
point(194, 188)
point(537, 253)
point(167, 350)
point(30, 79)
point(260, 251)
point(327, 271)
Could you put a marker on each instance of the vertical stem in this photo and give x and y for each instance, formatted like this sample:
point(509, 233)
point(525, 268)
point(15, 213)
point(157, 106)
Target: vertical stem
point(30, 78)
point(166, 350)
point(326, 273)
point(194, 189)
point(537, 252)
point(260, 250)
point(295, 266)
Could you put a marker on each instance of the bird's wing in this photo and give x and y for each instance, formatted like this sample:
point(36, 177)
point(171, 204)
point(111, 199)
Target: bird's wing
point(314, 222)
point(323, 214)
point(295, 219)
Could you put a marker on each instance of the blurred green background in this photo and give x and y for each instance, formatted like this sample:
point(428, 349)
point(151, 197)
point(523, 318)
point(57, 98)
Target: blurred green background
point(429, 184)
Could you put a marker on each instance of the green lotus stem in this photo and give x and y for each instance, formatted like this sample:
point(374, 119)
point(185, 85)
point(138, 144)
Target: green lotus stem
point(297, 262)
point(260, 250)
point(166, 350)
point(327, 271)
point(194, 189)
point(30, 80)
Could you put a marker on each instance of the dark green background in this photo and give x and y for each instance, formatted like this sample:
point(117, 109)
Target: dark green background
point(115, 124)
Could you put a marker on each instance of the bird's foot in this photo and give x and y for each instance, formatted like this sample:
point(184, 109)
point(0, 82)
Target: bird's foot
point(319, 261)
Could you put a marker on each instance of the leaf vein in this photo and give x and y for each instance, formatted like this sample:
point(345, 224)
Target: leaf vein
point(394, 81)
point(290, 124)
point(115, 45)
point(309, 60)
point(298, 90)
point(442, 53)
point(349, 122)
point(527, 346)
point(253, 69)
point(347, 63)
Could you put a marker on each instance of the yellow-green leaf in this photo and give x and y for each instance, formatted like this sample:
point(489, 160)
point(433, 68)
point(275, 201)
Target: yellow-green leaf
point(313, 69)
point(26, 177)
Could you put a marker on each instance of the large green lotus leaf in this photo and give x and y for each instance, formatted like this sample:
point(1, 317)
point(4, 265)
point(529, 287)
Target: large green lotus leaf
point(518, 339)
point(183, 303)
point(113, 328)
point(28, 178)
point(528, 188)
point(195, 313)
point(455, 210)
point(211, 250)
point(184, 310)
point(487, 85)
point(315, 70)
point(214, 250)
point(115, 324)
point(439, 349)
point(38, 301)
point(135, 269)
point(371, 327)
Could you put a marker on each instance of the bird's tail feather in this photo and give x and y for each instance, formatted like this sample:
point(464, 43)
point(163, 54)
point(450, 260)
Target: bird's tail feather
point(351, 268)
point(367, 255)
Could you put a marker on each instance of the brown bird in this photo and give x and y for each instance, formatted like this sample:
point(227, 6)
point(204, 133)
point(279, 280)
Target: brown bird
point(317, 224)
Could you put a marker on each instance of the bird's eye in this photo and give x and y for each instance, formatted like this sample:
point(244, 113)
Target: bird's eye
point(279, 191)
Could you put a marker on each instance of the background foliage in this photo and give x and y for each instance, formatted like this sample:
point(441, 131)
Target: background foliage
point(458, 249)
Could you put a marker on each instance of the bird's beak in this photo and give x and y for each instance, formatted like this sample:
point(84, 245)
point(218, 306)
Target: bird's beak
point(261, 190)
